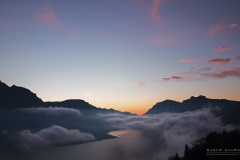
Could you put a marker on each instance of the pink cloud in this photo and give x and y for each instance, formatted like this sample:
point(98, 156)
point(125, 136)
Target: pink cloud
point(177, 78)
point(155, 16)
point(223, 74)
point(221, 28)
point(71, 33)
point(46, 17)
point(166, 79)
point(238, 58)
point(219, 61)
point(204, 74)
point(141, 84)
point(185, 60)
point(188, 60)
point(204, 69)
point(233, 25)
point(174, 78)
point(215, 29)
point(195, 58)
point(223, 48)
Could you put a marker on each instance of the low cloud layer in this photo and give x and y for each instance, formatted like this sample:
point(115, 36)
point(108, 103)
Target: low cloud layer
point(57, 111)
point(166, 134)
point(53, 136)
point(151, 137)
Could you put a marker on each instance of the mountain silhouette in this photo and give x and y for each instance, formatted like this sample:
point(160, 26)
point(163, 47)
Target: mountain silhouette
point(232, 117)
point(83, 106)
point(164, 106)
point(212, 143)
point(3, 85)
point(192, 104)
point(15, 97)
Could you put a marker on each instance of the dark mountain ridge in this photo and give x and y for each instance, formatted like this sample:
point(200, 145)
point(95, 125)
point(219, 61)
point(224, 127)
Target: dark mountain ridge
point(16, 97)
point(83, 106)
point(192, 104)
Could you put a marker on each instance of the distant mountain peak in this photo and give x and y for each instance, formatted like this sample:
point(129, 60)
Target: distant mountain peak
point(17, 97)
point(200, 96)
point(193, 103)
point(168, 100)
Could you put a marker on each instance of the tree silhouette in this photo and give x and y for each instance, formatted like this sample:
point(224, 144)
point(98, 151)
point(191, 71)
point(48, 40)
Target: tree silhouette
point(214, 140)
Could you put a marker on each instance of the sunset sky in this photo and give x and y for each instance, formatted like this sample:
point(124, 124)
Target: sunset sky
point(121, 54)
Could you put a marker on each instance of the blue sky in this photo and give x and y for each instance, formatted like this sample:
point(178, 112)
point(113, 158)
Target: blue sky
point(126, 54)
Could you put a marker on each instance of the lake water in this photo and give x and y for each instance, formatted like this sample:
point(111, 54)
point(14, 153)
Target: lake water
point(129, 145)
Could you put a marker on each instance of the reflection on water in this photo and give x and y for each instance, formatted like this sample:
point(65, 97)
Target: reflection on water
point(128, 146)
point(123, 133)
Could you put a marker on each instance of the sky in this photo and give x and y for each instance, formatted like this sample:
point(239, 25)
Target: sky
point(127, 55)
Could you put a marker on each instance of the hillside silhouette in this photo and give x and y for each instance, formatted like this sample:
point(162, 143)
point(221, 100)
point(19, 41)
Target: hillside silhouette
point(194, 103)
point(23, 111)
point(214, 140)
point(16, 97)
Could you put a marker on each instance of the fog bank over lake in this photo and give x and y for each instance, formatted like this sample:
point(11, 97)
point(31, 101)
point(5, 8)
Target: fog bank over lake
point(140, 137)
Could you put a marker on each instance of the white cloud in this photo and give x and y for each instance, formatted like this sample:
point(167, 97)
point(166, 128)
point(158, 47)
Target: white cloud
point(53, 136)
point(87, 94)
point(167, 133)
point(57, 111)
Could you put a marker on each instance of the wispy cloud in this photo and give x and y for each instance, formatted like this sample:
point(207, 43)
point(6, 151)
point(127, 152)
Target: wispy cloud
point(141, 84)
point(154, 14)
point(87, 94)
point(214, 29)
point(204, 69)
point(188, 60)
point(204, 74)
point(72, 33)
point(173, 78)
point(57, 98)
point(56, 111)
point(46, 17)
point(223, 48)
point(223, 74)
point(166, 79)
point(233, 25)
point(221, 28)
point(238, 58)
point(185, 60)
point(219, 61)
point(178, 78)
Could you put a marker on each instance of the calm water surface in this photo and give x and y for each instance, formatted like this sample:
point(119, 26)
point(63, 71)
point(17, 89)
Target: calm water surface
point(129, 145)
